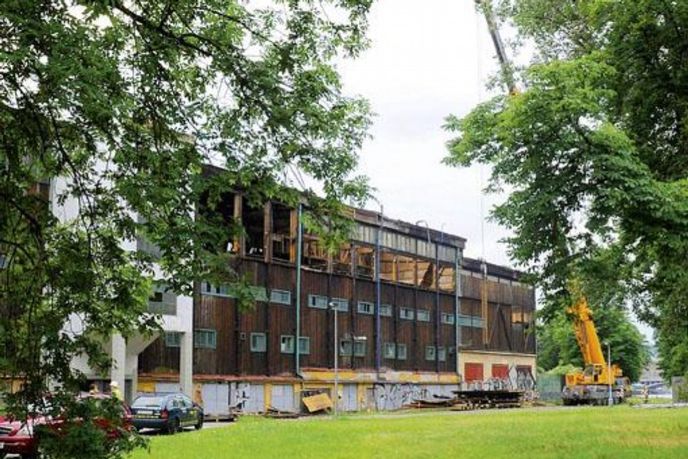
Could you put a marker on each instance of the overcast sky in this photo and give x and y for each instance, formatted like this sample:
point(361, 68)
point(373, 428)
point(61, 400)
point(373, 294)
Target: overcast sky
point(427, 59)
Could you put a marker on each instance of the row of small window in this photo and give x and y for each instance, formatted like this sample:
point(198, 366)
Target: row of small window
point(203, 338)
point(259, 293)
point(398, 351)
point(366, 307)
point(259, 343)
point(341, 304)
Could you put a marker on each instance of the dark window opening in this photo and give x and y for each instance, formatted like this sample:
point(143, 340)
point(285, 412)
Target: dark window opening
point(253, 221)
point(283, 247)
point(314, 253)
point(219, 214)
point(365, 262)
point(342, 260)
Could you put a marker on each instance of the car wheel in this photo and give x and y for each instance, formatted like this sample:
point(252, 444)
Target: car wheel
point(199, 424)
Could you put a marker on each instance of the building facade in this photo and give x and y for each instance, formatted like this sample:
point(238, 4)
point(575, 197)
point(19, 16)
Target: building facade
point(415, 319)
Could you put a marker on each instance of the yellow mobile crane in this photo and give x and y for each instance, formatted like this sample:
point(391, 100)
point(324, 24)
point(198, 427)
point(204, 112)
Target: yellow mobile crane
point(599, 383)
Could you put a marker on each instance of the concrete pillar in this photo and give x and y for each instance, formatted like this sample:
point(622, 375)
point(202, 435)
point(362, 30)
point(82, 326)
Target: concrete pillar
point(186, 363)
point(134, 377)
point(119, 361)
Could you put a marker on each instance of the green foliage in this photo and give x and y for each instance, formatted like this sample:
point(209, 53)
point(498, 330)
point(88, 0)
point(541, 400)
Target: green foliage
point(94, 428)
point(594, 156)
point(563, 369)
point(120, 104)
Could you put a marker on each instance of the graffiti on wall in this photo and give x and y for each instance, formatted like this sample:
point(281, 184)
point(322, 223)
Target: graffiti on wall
point(519, 378)
point(394, 396)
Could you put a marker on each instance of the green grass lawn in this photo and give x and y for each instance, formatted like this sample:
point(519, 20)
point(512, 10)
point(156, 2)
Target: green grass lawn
point(574, 432)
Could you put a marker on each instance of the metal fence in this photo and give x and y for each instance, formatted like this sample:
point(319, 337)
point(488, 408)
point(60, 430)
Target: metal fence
point(549, 386)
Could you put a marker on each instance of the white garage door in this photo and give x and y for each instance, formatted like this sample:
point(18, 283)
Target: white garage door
point(283, 397)
point(216, 399)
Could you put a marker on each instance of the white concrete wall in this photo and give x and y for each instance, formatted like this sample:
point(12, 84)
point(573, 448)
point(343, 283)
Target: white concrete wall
point(125, 354)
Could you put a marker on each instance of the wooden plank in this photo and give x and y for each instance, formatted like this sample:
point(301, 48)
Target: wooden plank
point(317, 402)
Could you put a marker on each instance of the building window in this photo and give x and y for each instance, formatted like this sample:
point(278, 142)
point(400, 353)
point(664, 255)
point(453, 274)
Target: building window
point(317, 301)
point(173, 339)
point(406, 313)
point(389, 351)
point(205, 338)
point(258, 342)
point(216, 290)
point(365, 307)
point(442, 354)
point(423, 315)
point(280, 296)
point(401, 351)
point(304, 345)
point(447, 318)
point(231, 291)
point(161, 301)
point(340, 304)
point(359, 348)
point(287, 344)
point(470, 321)
point(430, 353)
point(345, 347)
point(386, 310)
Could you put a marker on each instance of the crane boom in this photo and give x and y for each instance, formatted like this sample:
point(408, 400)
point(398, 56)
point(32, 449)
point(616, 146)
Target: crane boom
point(505, 64)
point(586, 334)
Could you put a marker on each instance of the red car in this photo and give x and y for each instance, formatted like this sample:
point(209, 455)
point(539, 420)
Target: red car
point(17, 437)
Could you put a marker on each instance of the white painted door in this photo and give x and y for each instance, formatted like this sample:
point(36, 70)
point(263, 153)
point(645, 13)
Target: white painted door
point(216, 399)
point(349, 396)
point(283, 397)
point(253, 398)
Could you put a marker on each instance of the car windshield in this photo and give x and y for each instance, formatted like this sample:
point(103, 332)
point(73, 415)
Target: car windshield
point(148, 402)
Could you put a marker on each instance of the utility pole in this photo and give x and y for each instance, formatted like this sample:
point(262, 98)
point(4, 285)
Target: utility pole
point(609, 373)
point(335, 400)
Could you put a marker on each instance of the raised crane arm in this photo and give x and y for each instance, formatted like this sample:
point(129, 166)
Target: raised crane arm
point(507, 69)
point(586, 333)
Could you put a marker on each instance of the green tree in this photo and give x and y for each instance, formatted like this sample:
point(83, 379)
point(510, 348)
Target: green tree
point(125, 101)
point(594, 155)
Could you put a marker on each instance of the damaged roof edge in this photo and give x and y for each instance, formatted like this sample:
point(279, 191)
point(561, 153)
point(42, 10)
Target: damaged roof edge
point(473, 264)
point(372, 218)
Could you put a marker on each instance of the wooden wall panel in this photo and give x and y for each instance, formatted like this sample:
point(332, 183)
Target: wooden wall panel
point(447, 331)
point(364, 324)
point(158, 358)
point(405, 328)
point(425, 331)
point(233, 355)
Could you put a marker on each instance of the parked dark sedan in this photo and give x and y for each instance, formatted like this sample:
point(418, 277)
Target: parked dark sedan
point(167, 412)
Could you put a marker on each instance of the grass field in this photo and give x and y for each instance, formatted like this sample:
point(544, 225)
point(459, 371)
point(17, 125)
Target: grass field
point(595, 432)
